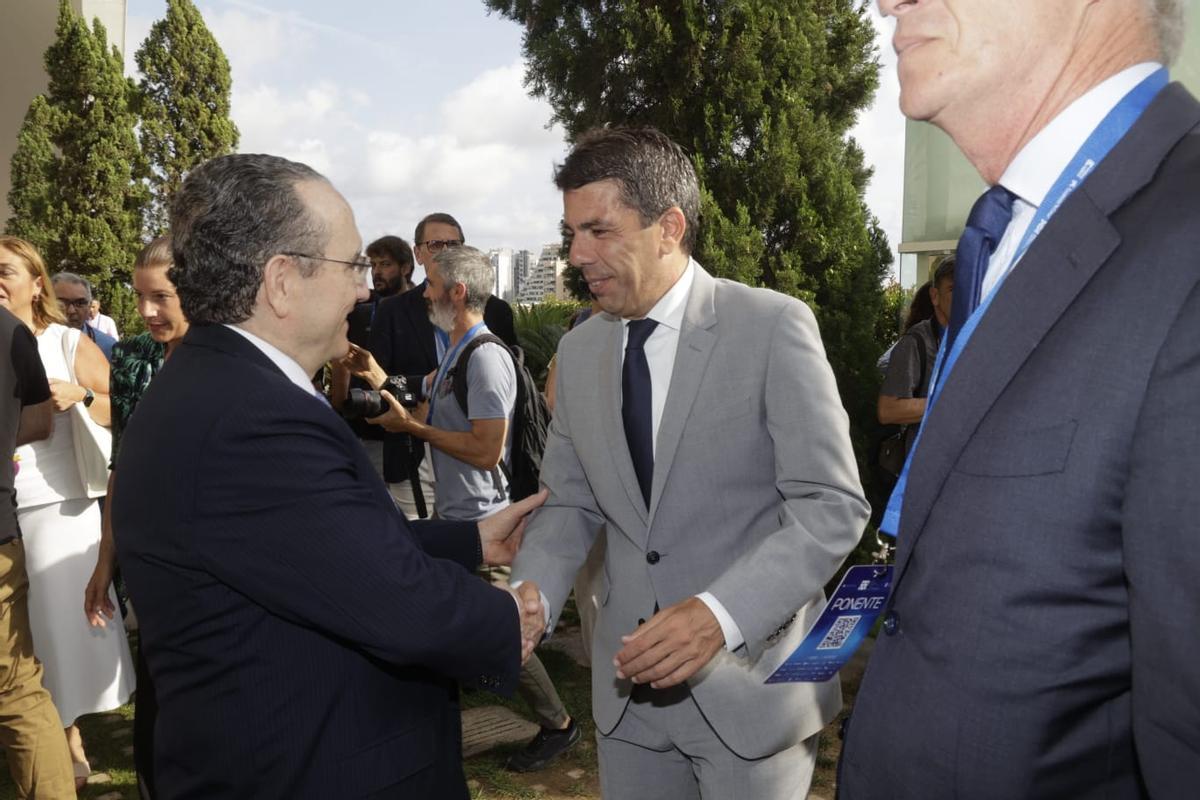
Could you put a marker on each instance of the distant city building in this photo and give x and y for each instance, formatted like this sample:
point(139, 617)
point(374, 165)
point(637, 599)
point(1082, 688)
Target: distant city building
point(502, 265)
point(545, 279)
point(523, 264)
point(27, 31)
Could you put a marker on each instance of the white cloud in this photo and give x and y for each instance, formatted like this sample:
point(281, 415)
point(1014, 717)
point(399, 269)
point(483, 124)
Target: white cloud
point(254, 38)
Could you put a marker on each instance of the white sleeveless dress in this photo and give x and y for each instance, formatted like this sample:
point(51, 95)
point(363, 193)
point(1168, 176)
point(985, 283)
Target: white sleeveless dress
point(86, 669)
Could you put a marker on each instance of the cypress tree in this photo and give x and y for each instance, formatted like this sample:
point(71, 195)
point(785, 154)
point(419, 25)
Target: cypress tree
point(184, 104)
point(77, 189)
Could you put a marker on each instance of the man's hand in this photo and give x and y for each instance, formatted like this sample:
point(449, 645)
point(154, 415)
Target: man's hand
point(671, 646)
point(361, 364)
point(500, 534)
point(533, 617)
point(396, 419)
point(65, 394)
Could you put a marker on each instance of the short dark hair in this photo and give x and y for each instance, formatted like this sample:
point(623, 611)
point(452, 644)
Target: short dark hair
point(72, 278)
point(394, 248)
point(230, 216)
point(437, 216)
point(652, 171)
point(943, 270)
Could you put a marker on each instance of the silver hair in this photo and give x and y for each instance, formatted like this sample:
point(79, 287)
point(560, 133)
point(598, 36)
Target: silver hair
point(71, 277)
point(1168, 18)
point(471, 268)
point(230, 216)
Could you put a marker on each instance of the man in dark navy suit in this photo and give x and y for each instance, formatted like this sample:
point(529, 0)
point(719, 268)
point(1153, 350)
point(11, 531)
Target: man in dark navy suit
point(305, 640)
point(1040, 640)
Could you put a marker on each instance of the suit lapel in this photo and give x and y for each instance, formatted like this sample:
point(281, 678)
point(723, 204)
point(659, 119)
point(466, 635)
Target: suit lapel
point(696, 340)
point(609, 399)
point(1062, 260)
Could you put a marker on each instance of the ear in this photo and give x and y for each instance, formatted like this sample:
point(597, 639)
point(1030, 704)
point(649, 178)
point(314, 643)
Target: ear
point(933, 293)
point(674, 226)
point(278, 287)
point(37, 286)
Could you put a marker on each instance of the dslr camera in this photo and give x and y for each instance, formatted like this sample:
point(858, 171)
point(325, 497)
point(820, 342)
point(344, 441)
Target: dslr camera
point(369, 403)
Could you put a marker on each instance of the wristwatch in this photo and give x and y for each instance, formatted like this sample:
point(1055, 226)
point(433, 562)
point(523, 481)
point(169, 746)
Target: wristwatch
point(88, 397)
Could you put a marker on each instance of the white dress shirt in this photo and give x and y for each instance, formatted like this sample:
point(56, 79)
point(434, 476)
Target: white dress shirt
point(660, 350)
point(1035, 169)
point(287, 364)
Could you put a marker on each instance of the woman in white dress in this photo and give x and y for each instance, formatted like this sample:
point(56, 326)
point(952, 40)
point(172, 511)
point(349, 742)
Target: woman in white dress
point(86, 669)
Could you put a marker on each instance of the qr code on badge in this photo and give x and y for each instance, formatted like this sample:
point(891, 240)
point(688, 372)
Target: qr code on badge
point(840, 632)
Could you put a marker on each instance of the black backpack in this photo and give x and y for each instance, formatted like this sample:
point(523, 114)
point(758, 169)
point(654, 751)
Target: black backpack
point(531, 419)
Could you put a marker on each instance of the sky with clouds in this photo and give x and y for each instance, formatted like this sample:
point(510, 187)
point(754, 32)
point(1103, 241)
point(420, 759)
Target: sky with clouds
point(419, 105)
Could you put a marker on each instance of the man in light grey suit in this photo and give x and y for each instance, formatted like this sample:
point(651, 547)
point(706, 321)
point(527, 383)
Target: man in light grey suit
point(1043, 634)
point(698, 420)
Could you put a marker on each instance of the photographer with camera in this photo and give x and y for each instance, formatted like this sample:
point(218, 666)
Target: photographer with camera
point(470, 442)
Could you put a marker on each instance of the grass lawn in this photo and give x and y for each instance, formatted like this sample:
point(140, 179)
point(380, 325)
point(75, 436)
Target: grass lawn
point(109, 742)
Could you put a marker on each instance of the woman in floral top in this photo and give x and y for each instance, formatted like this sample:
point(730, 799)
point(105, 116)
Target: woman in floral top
point(135, 362)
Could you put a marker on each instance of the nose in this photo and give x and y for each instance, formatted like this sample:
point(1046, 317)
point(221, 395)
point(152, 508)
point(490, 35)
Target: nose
point(579, 252)
point(145, 308)
point(890, 8)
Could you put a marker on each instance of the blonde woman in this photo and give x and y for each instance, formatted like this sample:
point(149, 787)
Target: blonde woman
point(86, 669)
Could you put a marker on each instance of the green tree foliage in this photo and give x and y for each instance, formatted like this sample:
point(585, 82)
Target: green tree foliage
point(184, 104)
point(763, 94)
point(575, 284)
point(77, 190)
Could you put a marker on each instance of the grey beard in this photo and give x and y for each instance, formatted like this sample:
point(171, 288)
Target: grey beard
point(442, 316)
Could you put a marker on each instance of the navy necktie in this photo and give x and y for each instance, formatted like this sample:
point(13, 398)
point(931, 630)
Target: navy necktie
point(635, 404)
point(985, 227)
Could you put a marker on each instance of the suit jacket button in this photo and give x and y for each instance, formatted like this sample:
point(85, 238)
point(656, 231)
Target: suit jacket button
point(891, 623)
point(652, 557)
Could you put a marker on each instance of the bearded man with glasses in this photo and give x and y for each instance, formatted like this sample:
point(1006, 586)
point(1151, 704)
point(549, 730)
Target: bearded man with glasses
point(405, 342)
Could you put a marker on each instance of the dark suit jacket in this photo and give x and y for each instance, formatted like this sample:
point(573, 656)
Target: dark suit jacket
point(1047, 603)
point(402, 341)
point(304, 641)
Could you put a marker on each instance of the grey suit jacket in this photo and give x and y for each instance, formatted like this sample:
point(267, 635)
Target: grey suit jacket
point(1047, 591)
point(755, 498)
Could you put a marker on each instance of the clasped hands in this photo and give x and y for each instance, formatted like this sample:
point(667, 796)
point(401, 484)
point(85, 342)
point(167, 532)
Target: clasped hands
point(500, 535)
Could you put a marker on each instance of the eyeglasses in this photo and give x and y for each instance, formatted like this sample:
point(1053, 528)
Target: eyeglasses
point(81, 303)
point(438, 245)
point(361, 265)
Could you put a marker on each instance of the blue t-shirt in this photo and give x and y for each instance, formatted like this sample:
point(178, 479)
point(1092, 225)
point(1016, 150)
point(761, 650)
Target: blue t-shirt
point(463, 491)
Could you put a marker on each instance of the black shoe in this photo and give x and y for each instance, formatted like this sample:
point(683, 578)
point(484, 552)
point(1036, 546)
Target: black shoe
point(544, 748)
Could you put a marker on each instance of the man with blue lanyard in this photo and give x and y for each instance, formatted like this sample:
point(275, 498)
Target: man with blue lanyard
point(469, 443)
point(1041, 636)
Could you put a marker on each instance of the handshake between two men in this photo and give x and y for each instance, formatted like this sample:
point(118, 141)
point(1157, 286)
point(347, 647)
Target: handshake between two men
point(500, 537)
point(664, 651)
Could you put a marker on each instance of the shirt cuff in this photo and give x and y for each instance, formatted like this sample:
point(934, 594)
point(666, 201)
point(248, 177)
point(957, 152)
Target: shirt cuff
point(545, 607)
point(733, 634)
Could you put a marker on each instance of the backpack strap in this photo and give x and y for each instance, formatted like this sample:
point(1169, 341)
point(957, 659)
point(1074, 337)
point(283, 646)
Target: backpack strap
point(458, 373)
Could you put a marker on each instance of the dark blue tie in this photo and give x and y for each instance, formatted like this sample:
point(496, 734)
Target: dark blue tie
point(635, 404)
point(985, 227)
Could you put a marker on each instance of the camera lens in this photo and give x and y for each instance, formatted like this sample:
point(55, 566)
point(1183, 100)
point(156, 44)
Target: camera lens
point(363, 403)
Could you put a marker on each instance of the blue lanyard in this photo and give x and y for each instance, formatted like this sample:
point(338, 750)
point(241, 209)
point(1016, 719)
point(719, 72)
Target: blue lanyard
point(442, 342)
point(1102, 140)
point(448, 360)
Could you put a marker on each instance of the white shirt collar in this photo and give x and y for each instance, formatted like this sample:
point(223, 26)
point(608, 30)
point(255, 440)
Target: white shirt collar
point(294, 372)
point(1035, 169)
point(668, 311)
